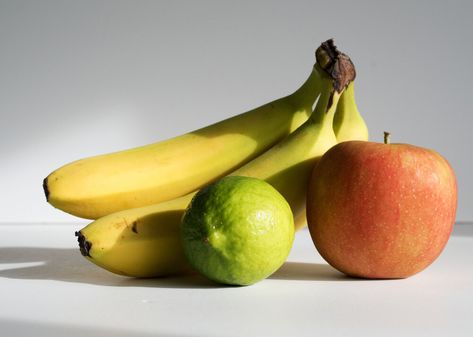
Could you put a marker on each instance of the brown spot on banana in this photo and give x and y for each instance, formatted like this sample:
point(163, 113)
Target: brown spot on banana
point(134, 227)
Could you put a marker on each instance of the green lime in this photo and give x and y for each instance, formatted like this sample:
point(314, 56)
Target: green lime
point(238, 230)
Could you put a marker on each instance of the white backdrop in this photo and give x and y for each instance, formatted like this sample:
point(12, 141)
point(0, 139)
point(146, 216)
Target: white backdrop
point(79, 78)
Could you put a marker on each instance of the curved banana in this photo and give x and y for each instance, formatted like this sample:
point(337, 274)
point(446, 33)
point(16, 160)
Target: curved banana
point(145, 242)
point(348, 124)
point(100, 185)
point(139, 242)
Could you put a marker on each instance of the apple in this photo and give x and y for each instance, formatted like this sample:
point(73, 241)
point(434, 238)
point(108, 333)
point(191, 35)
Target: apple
point(381, 210)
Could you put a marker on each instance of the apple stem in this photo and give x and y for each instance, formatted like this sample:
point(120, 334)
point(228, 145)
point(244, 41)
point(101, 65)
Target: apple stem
point(387, 136)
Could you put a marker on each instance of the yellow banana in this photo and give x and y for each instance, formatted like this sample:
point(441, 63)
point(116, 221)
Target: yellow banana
point(100, 185)
point(145, 242)
point(348, 124)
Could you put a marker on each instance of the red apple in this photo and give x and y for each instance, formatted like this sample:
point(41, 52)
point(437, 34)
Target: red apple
point(379, 210)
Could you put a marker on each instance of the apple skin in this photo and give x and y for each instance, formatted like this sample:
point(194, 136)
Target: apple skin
point(379, 210)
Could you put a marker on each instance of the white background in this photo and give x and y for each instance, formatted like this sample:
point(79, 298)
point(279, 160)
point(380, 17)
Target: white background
point(79, 78)
point(304, 298)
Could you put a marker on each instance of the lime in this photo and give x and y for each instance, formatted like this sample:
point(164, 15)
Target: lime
point(238, 230)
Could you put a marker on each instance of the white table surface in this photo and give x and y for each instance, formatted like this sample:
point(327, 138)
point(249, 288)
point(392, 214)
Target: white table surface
point(48, 289)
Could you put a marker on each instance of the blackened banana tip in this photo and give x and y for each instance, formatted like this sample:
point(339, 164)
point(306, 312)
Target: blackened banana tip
point(84, 245)
point(46, 188)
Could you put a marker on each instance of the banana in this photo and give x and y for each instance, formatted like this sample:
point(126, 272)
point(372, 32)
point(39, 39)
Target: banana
point(348, 124)
point(139, 242)
point(100, 185)
point(145, 242)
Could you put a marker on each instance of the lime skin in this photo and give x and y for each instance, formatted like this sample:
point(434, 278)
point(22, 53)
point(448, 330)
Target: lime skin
point(237, 231)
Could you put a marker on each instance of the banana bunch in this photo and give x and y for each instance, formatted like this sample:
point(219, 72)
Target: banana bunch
point(138, 196)
point(145, 241)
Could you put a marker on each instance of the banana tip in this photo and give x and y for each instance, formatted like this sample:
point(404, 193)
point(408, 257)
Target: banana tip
point(84, 245)
point(46, 188)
